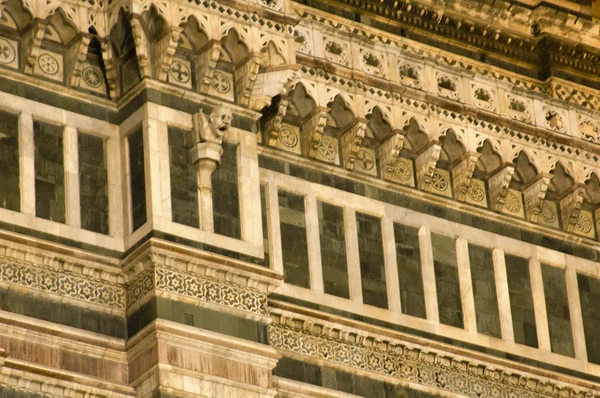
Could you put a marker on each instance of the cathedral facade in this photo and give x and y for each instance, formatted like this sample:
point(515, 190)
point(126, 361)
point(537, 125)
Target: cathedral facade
point(312, 198)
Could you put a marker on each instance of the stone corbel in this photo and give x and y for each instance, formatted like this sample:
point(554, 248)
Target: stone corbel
point(462, 174)
point(164, 50)
point(313, 130)
point(498, 186)
point(273, 125)
point(206, 155)
point(570, 207)
point(142, 47)
point(206, 63)
point(389, 153)
point(425, 164)
point(352, 141)
point(75, 58)
point(534, 196)
point(108, 58)
point(32, 42)
point(245, 78)
point(271, 84)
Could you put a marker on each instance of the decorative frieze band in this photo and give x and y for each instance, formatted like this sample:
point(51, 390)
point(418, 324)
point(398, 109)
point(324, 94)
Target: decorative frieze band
point(62, 283)
point(360, 350)
point(205, 289)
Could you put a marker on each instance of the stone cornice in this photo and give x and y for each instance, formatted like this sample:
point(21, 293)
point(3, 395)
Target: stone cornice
point(497, 29)
point(51, 382)
point(434, 365)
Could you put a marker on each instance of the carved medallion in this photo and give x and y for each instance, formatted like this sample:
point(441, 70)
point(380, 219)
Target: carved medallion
point(402, 170)
point(476, 192)
point(439, 181)
point(180, 72)
point(365, 160)
point(584, 224)
point(7, 52)
point(48, 64)
point(548, 213)
point(220, 83)
point(288, 137)
point(92, 77)
point(512, 202)
point(327, 150)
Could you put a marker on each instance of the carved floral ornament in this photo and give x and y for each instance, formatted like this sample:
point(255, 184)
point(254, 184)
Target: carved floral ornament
point(589, 130)
point(336, 51)
point(372, 63)
point(483, 98)
point(554, 120)
point(378, 354)
point(447, 87)
point(410, 75)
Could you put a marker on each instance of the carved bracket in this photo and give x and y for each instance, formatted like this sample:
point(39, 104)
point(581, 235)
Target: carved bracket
point(74, 59)
point(498, 186)
point(313, 130)
point(570, 207)
point(206, 62)
point(425, 164)
point(164, 50)
point(534, 196)
point(462, 174)
point(245, 78)
point(352, 141)
point(32, 42)
point(270, 84)
point(109, 66)
point(389, 152)
point(142, 47)
point(206, 154)
point(273, 125)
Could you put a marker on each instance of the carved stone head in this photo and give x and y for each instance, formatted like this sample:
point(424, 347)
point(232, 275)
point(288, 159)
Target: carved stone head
point(220, 120)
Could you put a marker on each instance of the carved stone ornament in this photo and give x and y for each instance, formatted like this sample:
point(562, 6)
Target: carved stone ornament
point(32, 43)
point(206, 154)
point(313, 129)
point(273, 126)
point(352, 141)
point(245, 78)
point(74, 59)
point(570, 208)
point(498, 186)
point(389, 153)
point(409, 362)
point(271, 84)
point(206, 62)
point(462, 174)
point(425, 164)
point(534, 196)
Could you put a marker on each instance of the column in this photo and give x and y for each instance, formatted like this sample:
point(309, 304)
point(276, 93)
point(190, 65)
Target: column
point(352, 254)
point(391, 265)
point(71, 155)
point(466, 285)
point(428, 271)
point(314, 243)
point(116, 177)
point(539, 303)
point(504, 311)
point(272, 200)
point(27, 164)
point(575, 311)
point(152, 165)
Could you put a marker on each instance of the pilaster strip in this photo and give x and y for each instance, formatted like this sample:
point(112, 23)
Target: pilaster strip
point(428, 274)
point(26, 163)
point(576, 315)
point(71, 156)
point(353, 255)
point(314, 244)
point(539, 303)
point(504, 310)
point(391, 265)
point(466, 285)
